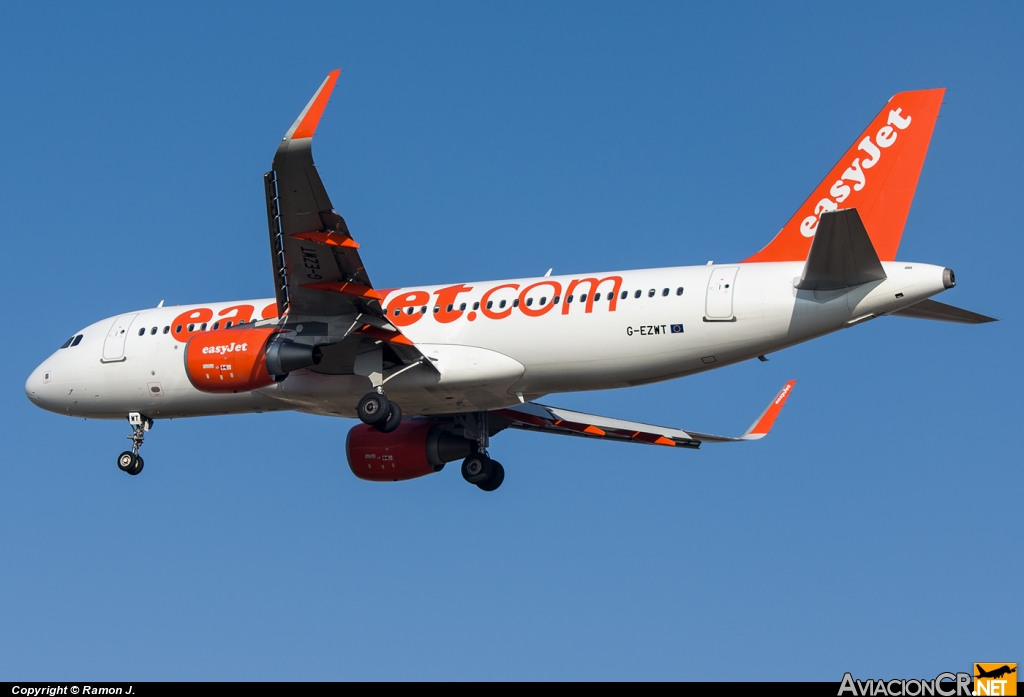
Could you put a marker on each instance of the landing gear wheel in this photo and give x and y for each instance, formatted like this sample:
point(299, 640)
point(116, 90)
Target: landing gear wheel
point(126, 461)
point(139, 462)
point(394, 419)
point(496, 478)
point(373, 409)
point(477, 468)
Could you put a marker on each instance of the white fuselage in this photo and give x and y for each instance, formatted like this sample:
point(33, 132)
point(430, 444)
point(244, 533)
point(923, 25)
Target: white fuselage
point(487, 358)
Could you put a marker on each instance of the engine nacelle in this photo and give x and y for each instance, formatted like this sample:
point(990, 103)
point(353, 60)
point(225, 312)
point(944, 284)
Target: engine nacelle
point(232, 360)
point(417, 447)
point(241, 360)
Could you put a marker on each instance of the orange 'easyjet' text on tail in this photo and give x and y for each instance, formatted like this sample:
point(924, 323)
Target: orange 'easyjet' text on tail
point(877, 176)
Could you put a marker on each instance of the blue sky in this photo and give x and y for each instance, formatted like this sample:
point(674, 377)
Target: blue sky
point(874, 530)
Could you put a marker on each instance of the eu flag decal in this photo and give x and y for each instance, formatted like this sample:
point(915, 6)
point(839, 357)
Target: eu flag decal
point(677, 329)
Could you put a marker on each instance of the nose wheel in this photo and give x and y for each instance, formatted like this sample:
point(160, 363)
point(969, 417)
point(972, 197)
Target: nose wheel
point(130, 461)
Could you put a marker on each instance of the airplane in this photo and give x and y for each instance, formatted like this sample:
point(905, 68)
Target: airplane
point(995, 673)
point(433, 372)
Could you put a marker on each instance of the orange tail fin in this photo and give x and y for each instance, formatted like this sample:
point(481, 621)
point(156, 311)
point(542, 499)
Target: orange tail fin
point(877, 176)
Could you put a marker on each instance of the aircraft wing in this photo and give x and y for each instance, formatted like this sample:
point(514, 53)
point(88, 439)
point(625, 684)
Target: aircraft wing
point(319, 279)
point(538, 417)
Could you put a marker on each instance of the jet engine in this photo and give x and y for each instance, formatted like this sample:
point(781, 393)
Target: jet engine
point(417, 447)
point(241, 360)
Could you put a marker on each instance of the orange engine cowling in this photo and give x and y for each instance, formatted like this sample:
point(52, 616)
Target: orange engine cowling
point(417, 447)
point(231, 360)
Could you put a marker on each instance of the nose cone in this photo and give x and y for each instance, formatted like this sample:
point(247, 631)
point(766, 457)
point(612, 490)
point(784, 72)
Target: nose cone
point(39, 387)
point(34, 385)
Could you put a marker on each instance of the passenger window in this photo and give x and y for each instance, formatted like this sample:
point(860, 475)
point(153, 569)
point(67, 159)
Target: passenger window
point(554, 300)
point(542, 301)
point(410, 310)
point(597, 296)
point(664, 293)
point(153, 331)
point(67, 343)
point(489, 304)
point(167, 329)
point(77, 341)
point(568, 298)
point(450, 306)
point(625, 294)
point(437, 308)
point(216, 325)
point(142, 332)
point(638, 294)
point(476, 305)
point(228, 325)
point(462, 307)
point(191, 327)
point(203, 328)
point(177, 330)
point(583, 297)
point(501, 304)
point(423, 310)
point(679, 290)
point(529, 302)
point(650, 293)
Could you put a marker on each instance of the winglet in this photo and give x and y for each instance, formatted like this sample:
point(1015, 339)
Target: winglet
point(764, 422)
point(305, 125)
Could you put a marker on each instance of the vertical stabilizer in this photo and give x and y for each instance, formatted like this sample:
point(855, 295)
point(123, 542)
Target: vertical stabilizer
point(877, 176)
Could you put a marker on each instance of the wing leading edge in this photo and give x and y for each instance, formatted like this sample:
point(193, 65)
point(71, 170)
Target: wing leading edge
point(538, 417)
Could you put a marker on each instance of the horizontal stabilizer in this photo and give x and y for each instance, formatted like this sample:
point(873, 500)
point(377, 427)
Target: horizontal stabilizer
point(841, 255)
point(931, 309)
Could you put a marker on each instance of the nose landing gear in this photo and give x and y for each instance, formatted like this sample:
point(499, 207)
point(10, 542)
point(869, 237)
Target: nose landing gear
point(130, 461)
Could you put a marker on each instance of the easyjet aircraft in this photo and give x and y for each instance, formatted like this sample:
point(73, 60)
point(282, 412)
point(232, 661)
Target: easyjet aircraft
point(434, 372)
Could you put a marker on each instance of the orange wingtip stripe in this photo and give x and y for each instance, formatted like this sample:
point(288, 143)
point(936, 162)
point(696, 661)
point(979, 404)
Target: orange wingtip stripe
point(307, 127)
point(765, 423)
point(385, 335)
point(331, 239)
point(356, 289)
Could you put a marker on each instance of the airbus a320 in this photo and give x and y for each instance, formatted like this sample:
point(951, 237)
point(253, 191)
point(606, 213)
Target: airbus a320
point(434, 372)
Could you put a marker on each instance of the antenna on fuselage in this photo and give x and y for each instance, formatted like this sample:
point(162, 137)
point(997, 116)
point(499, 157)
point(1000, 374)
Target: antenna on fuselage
point(549, 272)
point(161, 304)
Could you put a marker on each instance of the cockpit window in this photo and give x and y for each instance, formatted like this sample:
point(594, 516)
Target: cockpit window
point(67, 343)
point(77, 341)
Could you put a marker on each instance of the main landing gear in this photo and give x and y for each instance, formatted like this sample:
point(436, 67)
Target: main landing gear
point(478, 468)
point(130, 461)
point(377, 410)
point(481, 470)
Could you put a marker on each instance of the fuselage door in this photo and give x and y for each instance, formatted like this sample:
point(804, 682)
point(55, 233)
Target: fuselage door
point(113, 345)
point(721, 287)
